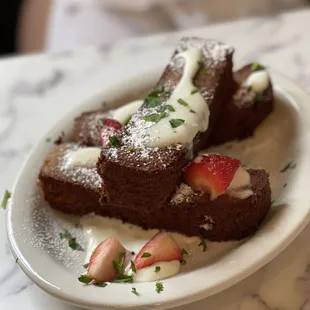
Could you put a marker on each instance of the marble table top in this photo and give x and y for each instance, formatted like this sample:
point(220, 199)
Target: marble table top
point(29, 90)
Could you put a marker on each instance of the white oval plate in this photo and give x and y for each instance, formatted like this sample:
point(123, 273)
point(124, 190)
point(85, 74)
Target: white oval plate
point(284, 136)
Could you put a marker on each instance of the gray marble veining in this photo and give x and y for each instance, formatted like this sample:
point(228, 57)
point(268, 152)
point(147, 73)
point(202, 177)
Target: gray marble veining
point(29, 91)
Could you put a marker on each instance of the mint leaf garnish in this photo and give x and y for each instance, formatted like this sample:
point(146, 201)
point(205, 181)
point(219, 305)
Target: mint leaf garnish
point(114, 141)
point(176, 122)
point(155, 118)
point(133, 266)
point(75, 245)
point(101, 284)
point(65, 234)
point(184, 252)
point(84, 279)
point(6, 197)
point(159, 287)
point(257, 67)
point(182, 102)
point(134, 291)
point(203, 244)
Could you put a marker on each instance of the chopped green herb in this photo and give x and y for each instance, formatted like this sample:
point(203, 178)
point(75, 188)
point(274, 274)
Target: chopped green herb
point(165, 107)
point(168, 94)
point(204, 72)
point(152, 102)
point(183, 261)
point(134, 291)
point(84, 279)
point(176, 122)
point(192, 111)
point(182, 102)
point(256, 67)
point(86, 265)
point(203, 244)
point(114, 141)
point(133, 266)
point(155, 118)
point(101, 284)
point(184, 49)
point(157, 269)
point(132, 149)
point(284, 185)
point(290, 165)
point(118, 264)
point(127, 120)
point(258, 97)
point(146, 254)
point(159, 287)
point(201, 70)
point(156, 91)
point(6, 197)
point(94, 251)
point(184, 252)
point(48, 140)
point(16, 260)
point(65, 234)
point(123, 279)
point(101, 123)
point(200, 64)
point(194, 91)
point(75, 245)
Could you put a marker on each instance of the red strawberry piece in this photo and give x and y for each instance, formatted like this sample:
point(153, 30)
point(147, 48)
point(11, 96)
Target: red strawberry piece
point(211, 173)
point(108, 127)
point(161, 248)
point(100, 266)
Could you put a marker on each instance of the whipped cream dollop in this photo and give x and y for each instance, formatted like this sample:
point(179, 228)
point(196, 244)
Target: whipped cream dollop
point(84, 157)
point(189, 113)
point(258, 81)
point(240, 186)
point(123, 113)
point(164, 270)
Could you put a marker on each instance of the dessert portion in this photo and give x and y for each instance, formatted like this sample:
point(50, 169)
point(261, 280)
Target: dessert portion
point(69, 179)
point(251, 103)
point(145, 152)
point(172, 125)
point(219, 200)
point(90, 127)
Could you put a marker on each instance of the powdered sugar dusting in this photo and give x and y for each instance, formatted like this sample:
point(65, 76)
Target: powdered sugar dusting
point(184, 194)
point(85, 176)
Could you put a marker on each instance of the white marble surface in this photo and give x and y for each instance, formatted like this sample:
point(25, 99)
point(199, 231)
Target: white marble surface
point(29, 92)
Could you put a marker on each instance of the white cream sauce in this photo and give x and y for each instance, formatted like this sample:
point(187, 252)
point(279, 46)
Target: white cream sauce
point(162, 133)
point(167, 270)
point(123, 113)
point(84, 157)
point(240, 186)
point(258, 81)
point(97, 229)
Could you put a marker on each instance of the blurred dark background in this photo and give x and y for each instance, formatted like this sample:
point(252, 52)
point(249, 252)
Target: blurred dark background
point(58, 25)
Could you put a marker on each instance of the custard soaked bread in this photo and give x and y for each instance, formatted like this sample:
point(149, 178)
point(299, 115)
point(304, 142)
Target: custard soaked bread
point(143, 165)
point(250, 105)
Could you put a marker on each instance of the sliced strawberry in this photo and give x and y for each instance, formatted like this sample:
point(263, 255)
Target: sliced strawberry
point(109, 122)
point(100, 266)
point(161, 248)
point(108, 127)
point(211, 173)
